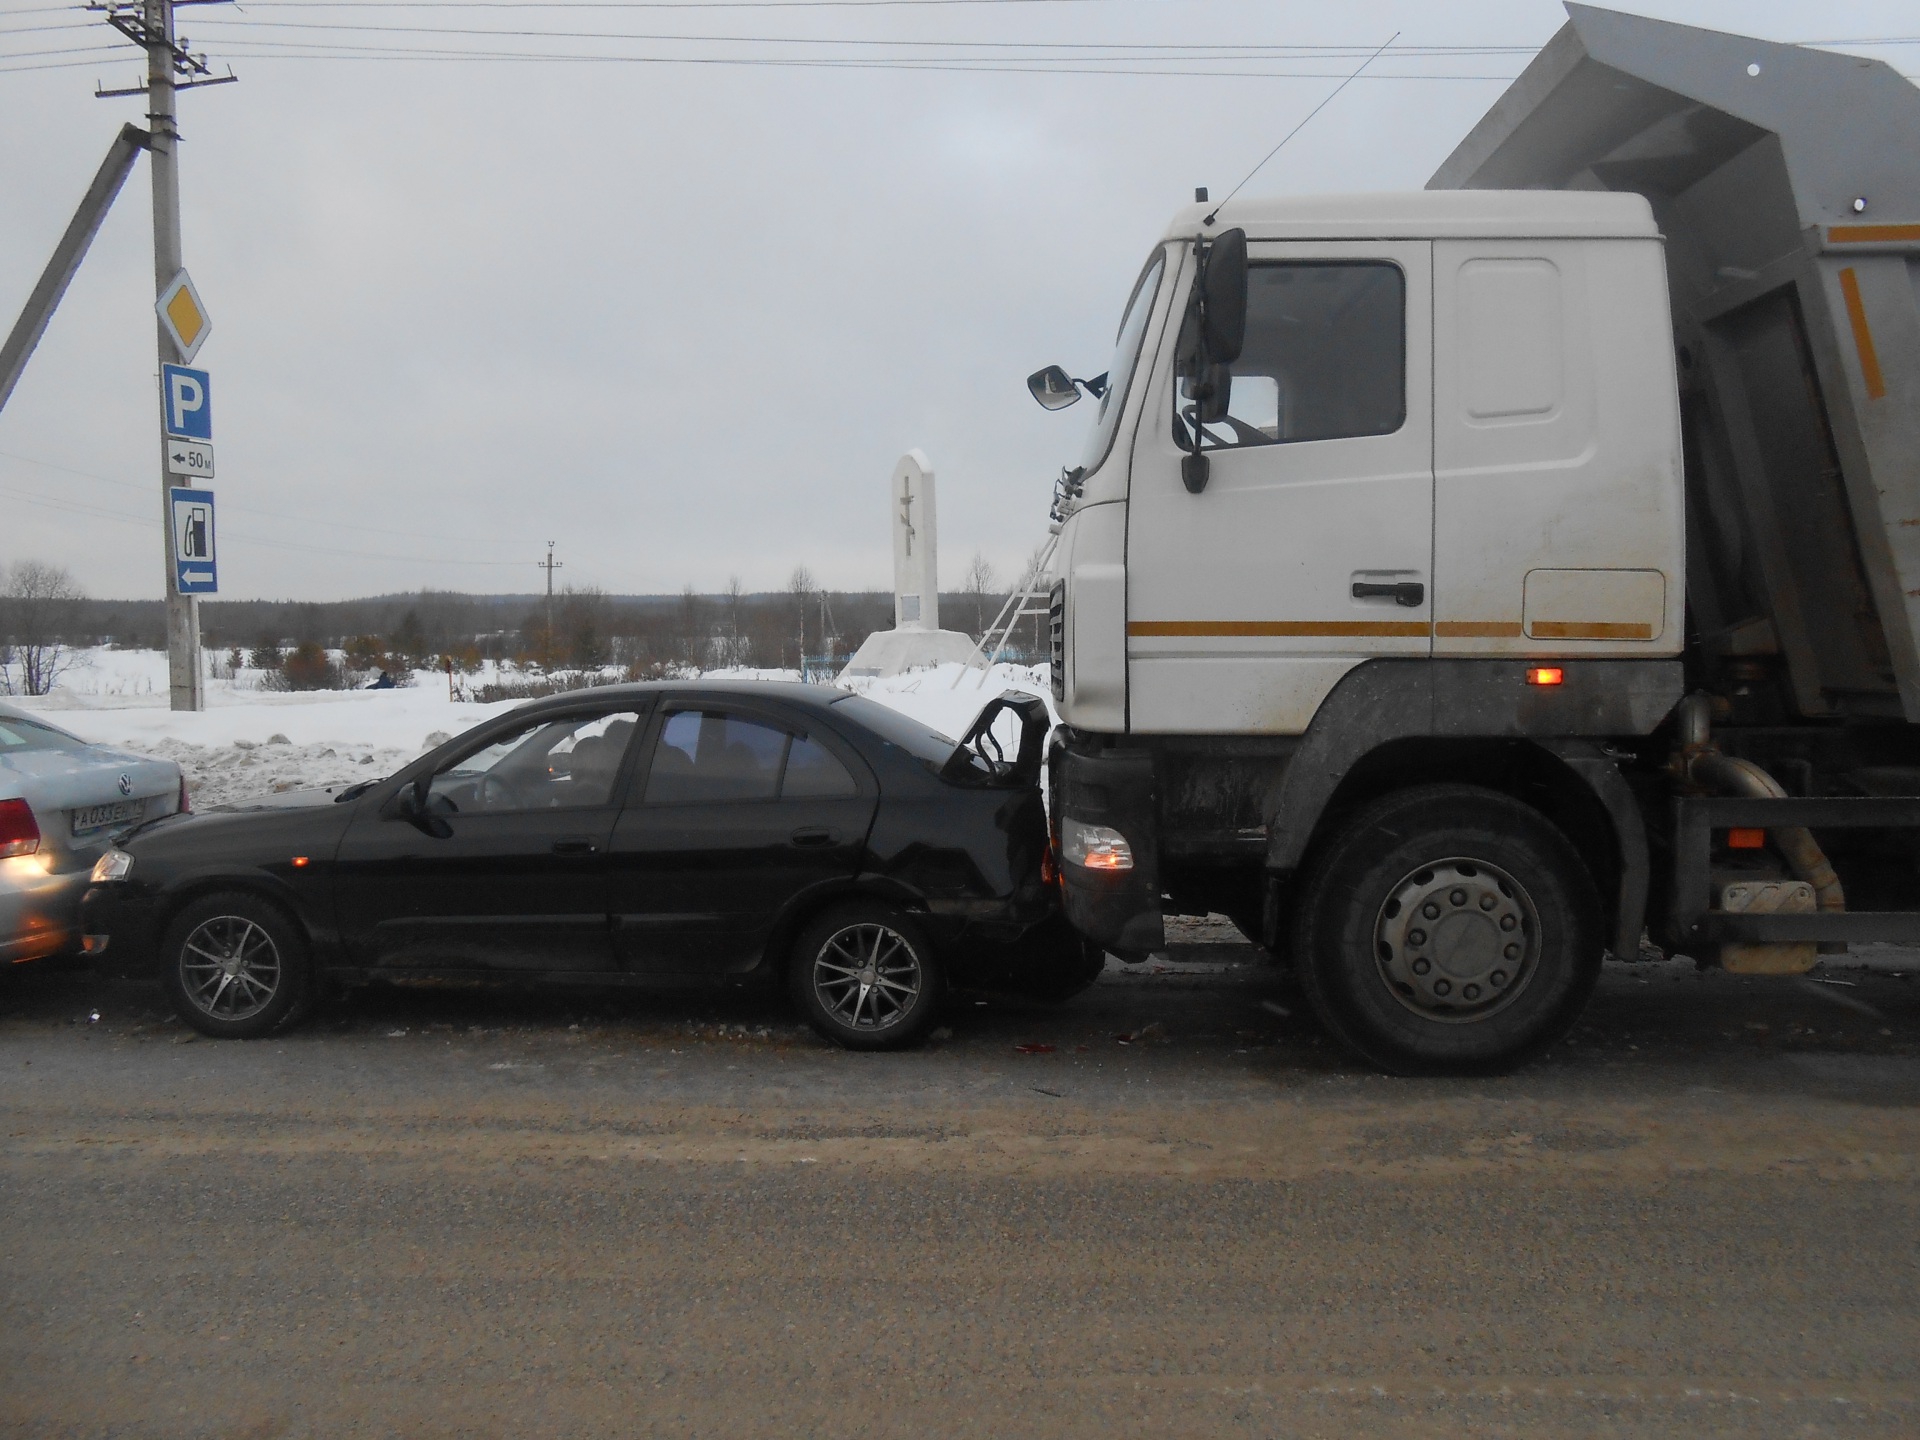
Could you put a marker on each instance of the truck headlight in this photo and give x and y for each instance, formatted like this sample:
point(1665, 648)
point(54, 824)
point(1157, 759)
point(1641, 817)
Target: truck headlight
point(1095, 847)
point(113, 865)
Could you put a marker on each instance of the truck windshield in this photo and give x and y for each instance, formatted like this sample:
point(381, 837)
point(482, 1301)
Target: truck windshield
point(1126, 355)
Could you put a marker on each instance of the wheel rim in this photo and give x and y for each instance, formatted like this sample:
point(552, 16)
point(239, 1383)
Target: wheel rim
point(230, 968)
point(867, 977)
point(1457, 940)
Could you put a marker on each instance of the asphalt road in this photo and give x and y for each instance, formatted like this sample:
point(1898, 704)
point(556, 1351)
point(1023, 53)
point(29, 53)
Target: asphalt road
point(447, 1213)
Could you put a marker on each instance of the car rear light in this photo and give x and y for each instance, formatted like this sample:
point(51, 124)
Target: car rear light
point(1096, 847)
point(19, 831)
point(186, 806)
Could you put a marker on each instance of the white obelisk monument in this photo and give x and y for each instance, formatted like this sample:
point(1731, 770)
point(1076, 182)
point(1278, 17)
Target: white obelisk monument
point(916, 637)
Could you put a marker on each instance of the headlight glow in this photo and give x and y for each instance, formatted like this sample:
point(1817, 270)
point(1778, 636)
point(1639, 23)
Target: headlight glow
point(113, 865)
point(1095, 847)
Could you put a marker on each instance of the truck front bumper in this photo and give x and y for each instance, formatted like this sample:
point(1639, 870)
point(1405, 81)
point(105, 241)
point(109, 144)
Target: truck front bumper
point(1099, 785)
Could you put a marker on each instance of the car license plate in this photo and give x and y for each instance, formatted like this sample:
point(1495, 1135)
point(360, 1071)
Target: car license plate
point(99, 817)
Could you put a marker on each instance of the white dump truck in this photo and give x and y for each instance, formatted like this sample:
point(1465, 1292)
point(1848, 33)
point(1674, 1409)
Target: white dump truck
point(1460, 585)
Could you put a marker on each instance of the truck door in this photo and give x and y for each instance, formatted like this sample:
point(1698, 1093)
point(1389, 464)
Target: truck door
point(1310, 547)
point(1557, 493)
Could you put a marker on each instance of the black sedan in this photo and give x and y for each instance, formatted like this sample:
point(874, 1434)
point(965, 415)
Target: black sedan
point(652, 834)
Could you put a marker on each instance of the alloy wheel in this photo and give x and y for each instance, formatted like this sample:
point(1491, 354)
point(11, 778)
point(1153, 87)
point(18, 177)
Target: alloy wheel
point(867, 976)
point(230, 968)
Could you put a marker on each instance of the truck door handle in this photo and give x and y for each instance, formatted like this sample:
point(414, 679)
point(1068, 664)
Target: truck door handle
point(574, 847)
point(813, 835)
point(1401, 592)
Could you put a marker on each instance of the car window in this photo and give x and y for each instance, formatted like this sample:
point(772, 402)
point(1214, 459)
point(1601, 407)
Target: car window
point(890, 725)
point(568, 763)
point(1325, 356)
point(18, 734)
point(814, 774)
point(706, 755)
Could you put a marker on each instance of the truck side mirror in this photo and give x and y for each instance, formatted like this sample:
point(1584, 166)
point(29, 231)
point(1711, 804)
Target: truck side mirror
point(1223, 288)
point(1053, 388)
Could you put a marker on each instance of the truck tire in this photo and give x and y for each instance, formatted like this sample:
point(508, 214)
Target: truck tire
point(1447, 929)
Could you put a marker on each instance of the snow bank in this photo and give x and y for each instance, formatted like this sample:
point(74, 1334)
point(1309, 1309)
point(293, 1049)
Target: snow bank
point(253, 742)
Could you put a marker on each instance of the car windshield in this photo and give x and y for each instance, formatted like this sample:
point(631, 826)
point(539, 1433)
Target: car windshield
point(1126, 355)
point(18, 734)
point(897, 729)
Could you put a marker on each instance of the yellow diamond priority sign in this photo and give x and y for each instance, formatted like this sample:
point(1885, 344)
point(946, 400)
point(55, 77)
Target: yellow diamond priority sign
point(184, 316)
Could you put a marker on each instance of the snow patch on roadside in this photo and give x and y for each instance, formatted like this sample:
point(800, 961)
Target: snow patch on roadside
point(250, 742)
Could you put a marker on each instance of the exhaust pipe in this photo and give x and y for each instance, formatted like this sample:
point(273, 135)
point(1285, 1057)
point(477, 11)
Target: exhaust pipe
point(1703, 763)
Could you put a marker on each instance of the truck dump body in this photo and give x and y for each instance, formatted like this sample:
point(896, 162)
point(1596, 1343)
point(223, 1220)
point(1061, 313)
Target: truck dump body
point(1787, 183)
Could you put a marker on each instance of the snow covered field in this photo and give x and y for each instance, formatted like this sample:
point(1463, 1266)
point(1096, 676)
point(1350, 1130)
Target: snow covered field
point(252, 742)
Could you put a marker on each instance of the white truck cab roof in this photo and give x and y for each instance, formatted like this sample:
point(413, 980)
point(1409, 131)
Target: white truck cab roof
point(1428, 215)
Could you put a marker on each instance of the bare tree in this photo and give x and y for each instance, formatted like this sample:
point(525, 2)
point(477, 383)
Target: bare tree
point(801, 587)
point(979, 584)
point(36, 613)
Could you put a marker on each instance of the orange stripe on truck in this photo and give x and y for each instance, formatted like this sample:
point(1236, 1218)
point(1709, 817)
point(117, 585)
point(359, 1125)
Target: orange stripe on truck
point(1862, 337)
point(1274, 629)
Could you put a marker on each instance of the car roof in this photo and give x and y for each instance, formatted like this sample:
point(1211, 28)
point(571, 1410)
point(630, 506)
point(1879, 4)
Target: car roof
point(794, 692)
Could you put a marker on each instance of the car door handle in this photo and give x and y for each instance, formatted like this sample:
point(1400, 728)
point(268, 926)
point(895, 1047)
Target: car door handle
point(813, 835)
point(1401, 592)
point(575, 847)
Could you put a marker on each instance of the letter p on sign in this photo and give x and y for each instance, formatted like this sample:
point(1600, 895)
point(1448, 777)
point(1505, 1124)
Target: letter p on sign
point(186, 396)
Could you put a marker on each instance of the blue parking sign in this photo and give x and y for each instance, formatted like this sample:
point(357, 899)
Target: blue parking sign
point(194, 571)
point(186, 397)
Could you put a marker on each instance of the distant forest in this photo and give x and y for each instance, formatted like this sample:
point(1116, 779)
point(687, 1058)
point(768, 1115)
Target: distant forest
point(760, 629)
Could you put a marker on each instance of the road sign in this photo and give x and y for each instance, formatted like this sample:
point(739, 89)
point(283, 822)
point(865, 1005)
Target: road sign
point(193, 458)
point(194, 570)
point(184, 316)
point(186, 400)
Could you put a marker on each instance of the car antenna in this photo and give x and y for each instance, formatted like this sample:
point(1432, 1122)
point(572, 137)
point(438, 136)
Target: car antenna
point(1211, 214)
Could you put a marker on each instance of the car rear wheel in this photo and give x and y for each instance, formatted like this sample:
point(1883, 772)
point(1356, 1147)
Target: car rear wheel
point(866, 978)
point(1448, 929)
point(235, 966)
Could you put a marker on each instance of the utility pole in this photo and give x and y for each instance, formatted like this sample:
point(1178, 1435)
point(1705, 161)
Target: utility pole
point(149, 24)
point(550, 565)
point(185, 678)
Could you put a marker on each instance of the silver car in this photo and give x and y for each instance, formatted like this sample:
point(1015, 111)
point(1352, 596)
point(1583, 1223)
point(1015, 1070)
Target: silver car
point(62, 802)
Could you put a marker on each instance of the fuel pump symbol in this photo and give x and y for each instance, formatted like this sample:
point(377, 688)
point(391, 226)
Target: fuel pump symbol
point(193, 537)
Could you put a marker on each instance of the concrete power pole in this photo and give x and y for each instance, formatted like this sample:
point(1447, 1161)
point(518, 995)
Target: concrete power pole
point(186, 680)
point(149, 24)
point(550, 565)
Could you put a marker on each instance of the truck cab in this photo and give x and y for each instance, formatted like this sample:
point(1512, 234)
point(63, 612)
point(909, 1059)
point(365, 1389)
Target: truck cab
point(1405, 522)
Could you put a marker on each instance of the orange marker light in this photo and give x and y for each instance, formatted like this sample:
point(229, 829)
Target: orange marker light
point(299, 862)
point(1745, 839)
point(1546, 675)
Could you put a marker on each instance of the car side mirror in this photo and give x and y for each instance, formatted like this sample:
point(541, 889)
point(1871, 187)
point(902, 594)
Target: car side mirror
point(1053, 388)
point(1223, 288)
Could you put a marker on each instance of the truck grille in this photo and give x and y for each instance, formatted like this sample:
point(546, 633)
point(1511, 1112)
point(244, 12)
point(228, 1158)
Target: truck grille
point(1057, 639)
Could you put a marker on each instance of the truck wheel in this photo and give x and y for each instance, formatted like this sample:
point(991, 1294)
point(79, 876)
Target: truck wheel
point(866, 978)
point(1448, 930)
point(235, 967)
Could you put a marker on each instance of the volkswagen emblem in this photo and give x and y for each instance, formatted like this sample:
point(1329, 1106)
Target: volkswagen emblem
point(126, 786)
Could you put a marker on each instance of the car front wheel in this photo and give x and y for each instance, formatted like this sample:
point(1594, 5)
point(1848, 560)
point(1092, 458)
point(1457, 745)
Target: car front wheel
point(235, 966)
point(866, 978)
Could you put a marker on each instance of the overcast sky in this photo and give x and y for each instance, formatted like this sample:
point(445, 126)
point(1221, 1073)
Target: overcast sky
point(679, 319)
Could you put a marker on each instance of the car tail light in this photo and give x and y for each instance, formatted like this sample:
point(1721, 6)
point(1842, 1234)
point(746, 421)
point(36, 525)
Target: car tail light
point(186, 805)
point(19, 831)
